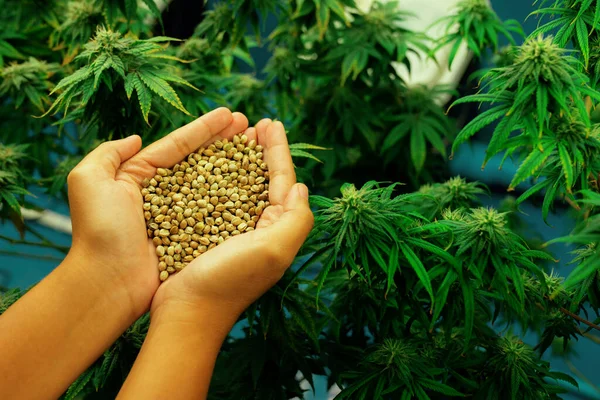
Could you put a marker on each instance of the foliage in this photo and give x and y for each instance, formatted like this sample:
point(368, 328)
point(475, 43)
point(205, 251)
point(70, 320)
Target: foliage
point(476, 24)
point(402, 291)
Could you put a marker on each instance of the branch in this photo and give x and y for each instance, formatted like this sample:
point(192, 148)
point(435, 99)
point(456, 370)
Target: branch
point(27, 255)
point(578, 318)
point(63, 249)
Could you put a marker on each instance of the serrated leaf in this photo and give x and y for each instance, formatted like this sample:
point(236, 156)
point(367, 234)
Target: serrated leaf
point(529, 167)
point(469, 303)
point(567, 165)
point(418, 149)
point(582, 39)
point(542, 107)
point(395, 135)
point(549, 200)
point(419, 269)
point(11, 200)
point(440, 387)
point(304, 154)
point(162, 88)
point(306, 146)
point(129, 85)
point(102, 63)
point(77, 76)
point(588, 267)
point(478, 123)
point(144, 96)
point(156, 12)
point(538, 187)
point(79, 384)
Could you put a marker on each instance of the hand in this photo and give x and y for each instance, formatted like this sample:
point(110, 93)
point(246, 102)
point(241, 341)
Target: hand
point(229, 277)
point(109, 230)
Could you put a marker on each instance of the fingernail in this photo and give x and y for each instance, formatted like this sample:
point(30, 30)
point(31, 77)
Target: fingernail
point(303, 191)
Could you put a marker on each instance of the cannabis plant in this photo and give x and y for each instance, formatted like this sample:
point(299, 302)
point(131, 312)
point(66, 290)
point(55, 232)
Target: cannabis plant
point(411, 290)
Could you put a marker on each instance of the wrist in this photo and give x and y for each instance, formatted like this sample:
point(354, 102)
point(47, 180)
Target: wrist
point(111, 289)
point(183, 315)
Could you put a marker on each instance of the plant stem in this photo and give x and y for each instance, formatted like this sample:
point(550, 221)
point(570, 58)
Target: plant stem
point(62, 249)
point(578, 318)
point(44, 240)
point(593, 338)
point(27, 255)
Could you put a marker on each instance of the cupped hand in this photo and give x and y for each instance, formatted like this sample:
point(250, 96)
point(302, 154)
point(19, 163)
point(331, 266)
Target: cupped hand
point(229, 277)
point(109, 230)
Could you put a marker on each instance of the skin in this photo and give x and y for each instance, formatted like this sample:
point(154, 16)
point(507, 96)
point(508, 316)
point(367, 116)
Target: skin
point(110, 276)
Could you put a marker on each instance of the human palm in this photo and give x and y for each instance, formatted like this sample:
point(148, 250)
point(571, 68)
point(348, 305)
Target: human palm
point(106, 203)
point(239, 270)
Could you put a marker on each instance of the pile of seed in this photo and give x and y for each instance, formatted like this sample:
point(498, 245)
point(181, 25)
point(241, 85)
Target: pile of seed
point(218, 192)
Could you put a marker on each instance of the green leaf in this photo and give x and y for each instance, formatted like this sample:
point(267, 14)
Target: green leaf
point(129, 85)
point(588, 267)
point(79, 384)
point(533, 190)
point(542, 107)
point(582, 39)
point(418, 149)
point(549, 200)
point(11, 200)
point(77, 76)
point(469, 302)
point(530, 165)
point(130, 9)
point(478, 123)
point(144, 96)
point(304, 154)
point(567, 165)
point(156, 12)
point(442, 295)
point(396, 134)
point(439, 387)
point(419, 269)
point(162, 88)
point(7, 50)
point(434, 138)
point(392, 267)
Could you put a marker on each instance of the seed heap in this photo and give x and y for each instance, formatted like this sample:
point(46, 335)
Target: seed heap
point(217, 193)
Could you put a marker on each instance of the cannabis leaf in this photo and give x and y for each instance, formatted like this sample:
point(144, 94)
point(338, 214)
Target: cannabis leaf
point(114, 61)
point(575, 21)
point(28, 80)
point(476, 24)
point(421, 118)
point(542, 81)
point(12, 179)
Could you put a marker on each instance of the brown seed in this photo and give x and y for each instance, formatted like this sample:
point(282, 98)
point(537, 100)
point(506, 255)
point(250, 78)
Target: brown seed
point(163, 275)
point(213, 194)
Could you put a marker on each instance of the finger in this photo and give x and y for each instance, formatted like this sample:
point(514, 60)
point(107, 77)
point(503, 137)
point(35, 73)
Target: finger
point(296, 222)
point(174, 147)
point(106, 159)
point(261, 129)
point(239, 124)
point(279, 161)
point(250, 133)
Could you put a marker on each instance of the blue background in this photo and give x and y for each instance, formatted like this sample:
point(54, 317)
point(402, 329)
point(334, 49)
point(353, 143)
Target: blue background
point(20, 265)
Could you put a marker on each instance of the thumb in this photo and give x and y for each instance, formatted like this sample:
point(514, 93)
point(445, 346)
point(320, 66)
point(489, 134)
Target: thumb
point(108, 157)
point(294, 225)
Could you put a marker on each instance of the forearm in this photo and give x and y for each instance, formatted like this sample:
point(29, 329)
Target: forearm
point(178, 355)
point(59, 328)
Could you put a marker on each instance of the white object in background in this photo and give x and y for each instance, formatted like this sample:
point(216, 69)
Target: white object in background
point(50, 219)
point(425, 71)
